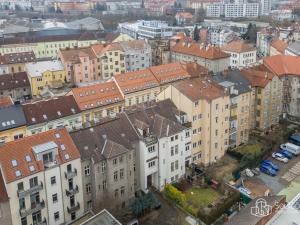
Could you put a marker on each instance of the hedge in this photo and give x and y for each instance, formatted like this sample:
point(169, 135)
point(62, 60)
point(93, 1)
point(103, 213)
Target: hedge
point(174, 194)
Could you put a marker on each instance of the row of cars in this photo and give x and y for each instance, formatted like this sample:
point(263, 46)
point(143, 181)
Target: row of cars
point(286, 152)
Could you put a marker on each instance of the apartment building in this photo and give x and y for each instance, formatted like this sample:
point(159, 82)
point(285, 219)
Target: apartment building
point(108, 164)
point(15, 85)
point(98, 101)
point(238, 88)
point(183, 18)
point(12, 123)
point(286, 67)
point(44, 115)
point(110, 58)
point(241, 54)
point(266, 6)
point(207, 106)
point(44, 75)
point(4, 204)
point(42, 177)
point(138, 55)
point(266, 98)
point(213, 58)
point(48, 46)
point(278, 47)
point(164, 144)
point(15, 62)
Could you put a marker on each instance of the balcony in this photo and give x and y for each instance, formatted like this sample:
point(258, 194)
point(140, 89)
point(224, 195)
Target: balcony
point(232, 130)
point(73, 208)
point(23, 193)
point(71, 174)
point(50, 164)
point(150, 140)
point(35, 207)
point(72, 191)
point(233, 118)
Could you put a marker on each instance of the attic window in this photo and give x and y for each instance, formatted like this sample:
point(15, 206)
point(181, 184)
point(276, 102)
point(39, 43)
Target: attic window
point(33, 119)
point(62, 147)
point(3, 124)
point(14, 163)
point(73, 110)
point(45, 116)
point(12, 122)
point(31, 168)
point(67, 156)
point(18, 173)
point(57, 135)
point(59, 113)
point(27, 158)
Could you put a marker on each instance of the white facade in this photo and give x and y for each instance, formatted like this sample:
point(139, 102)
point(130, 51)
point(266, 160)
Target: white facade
point(242, 59)
point(214, 10)
point(265, 7)
point(12, 4)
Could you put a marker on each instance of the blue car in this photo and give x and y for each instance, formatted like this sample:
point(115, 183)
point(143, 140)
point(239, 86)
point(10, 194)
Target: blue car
point(286, 154)
point(268, 170)
point(270, 164)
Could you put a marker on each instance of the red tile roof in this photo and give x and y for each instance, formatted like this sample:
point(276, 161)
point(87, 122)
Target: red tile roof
point(169, 72)
point(12, 81)
point(182, 37)
point(257, 78)
point(283, 65)
point(74, 54)
point(22, 57)
point(99, 49)
point(197, 89)
point(97, 95)
point(238, 46)
point(279, 45)
point(198, 50)
point(6, 101)
point(136, 81)
point(19, 149)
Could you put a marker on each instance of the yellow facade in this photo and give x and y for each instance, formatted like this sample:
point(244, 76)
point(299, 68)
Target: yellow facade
point(13, 134)
point(48, 78)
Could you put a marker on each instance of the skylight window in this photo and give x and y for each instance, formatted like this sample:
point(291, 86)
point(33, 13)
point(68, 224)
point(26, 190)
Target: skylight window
point(59, 113)
point(31, 168)
point(28, 158)
point(14, 163)
point(3, 124)
point(67, 156)
point(73, 110)
point(45, 116)
point(18, 173)
point(62, 147)
point(33, 119)
point(57, 135)
point(12, 122)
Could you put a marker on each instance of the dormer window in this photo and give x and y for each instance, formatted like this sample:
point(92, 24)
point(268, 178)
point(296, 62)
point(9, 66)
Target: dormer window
point(14, 163)
point(28, 158)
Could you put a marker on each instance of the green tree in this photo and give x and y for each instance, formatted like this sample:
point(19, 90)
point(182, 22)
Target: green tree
point(196, 35)
point(251, 33)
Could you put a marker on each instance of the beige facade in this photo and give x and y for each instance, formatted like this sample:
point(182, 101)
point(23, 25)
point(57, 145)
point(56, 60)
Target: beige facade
point(209, 117)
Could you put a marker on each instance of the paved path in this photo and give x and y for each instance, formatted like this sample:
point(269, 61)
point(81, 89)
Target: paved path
point(292, 173)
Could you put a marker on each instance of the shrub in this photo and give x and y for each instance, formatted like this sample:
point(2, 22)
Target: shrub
point(174, 194)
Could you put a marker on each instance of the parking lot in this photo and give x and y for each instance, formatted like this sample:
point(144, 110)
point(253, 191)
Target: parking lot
point(286, 174)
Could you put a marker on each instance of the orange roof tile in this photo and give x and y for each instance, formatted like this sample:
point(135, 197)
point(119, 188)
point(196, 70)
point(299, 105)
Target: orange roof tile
point(283, 65)
point(279, 45)
point(97, 95)
point(238, 46)
point(136, 81)
point(195, 70)
point(101, 48)
point(185, 15)
point(257, 78)
point(74, 54)
point(169, 72)
point(197, 89)
point(6, 101)
point(182, 37)
point(198, 50)
point(19, 149)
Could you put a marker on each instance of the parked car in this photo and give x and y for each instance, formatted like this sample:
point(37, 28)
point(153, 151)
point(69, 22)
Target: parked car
point(295, 139)
point(245, 190)
point(286, 154)
point(280, 157)
point(294, 149)
point(256, 171)
point(270, 164)
point(249, 173)
point(268, 170)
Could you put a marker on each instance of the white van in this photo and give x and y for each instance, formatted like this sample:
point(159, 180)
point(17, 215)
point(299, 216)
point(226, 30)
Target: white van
point(294, 149)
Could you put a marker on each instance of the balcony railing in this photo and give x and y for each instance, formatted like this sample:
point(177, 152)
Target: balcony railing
point(23, 193)
point(35, 207)
point(73, 191)
point(150, 140)
point(71, 174)
point(73, 208)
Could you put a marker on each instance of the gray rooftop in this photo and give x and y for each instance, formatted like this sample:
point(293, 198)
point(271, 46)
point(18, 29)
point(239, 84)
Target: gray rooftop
point(11, 117)
point(44, 147)
point(294, 47)
point(233, 77)
point(102, 218)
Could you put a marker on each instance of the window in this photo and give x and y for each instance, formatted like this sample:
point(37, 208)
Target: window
point(33, 182)
point(103, 167)
point(87, 170)
point(20, 186)
point(172, 166)
point(217, 119)
point(151, 149)
point(89, 204)
point(56, 216)
point(88, 188)
point(115, 175)
point(187, 148)
point(172, 138)
point(176, 149)
point(121, 173)
point(194, 118)
point(54, 198)
point(216, 145)
point(151, 164)
point(24, 221)
point(116, 193)
point(121, 159)
point(196, 103)
point(172, 151)
point(53, 180)
point(104, 185)
point(115, 161)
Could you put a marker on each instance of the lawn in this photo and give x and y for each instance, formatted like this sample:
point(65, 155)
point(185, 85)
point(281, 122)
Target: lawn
point(201, 197)
point(251, 149)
